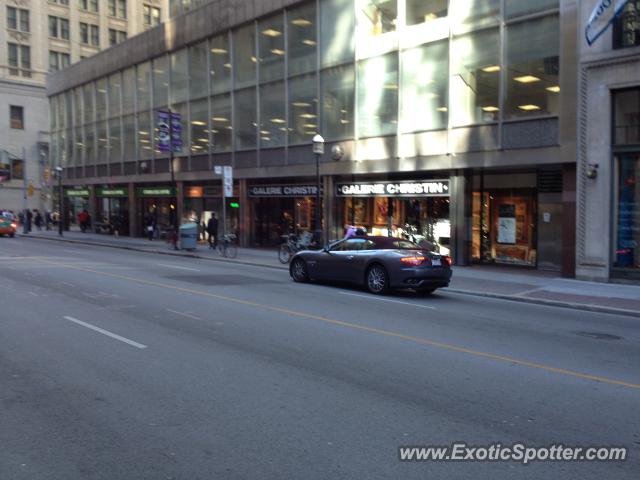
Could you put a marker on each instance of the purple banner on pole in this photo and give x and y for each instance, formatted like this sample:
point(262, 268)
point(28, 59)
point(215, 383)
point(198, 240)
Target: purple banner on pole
point(169, 127)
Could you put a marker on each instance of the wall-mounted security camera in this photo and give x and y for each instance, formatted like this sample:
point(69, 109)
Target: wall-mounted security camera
point(592, 171)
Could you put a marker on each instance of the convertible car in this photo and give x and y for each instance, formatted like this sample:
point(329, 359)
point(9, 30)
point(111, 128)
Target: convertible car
point(378, 263)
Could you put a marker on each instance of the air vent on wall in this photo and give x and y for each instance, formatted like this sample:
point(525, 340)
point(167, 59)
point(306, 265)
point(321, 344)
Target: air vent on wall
point(550, 180)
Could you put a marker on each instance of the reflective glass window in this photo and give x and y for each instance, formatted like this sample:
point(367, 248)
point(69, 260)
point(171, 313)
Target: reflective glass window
point(475, 82)
point(376, 17)
point(89, 144)
point(179, 77)
point(533, 67)
point(244, 56)
point(198, 76)
point(627, 212)
point(221, 128)
point(422, 11)
point(516, 8)
point(143, 84)
point(160, 82)
point(115, 140)
point(271, 45)
point(301, 39)
point(338, 99)
point(303, 109)
point(129, 137)
point(378, 96)
point(200, 126)
point(101, 99)
point(145, 147)
point(89, 109)
point(115, 91)
point(245, 119)
point(337, 25)
point(102, 143)
point(220, 67)
point(474, 12)
point(128, 90)
point(273, 122)
point(425, 73)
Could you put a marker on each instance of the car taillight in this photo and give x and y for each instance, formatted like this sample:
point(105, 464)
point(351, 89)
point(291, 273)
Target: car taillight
point(447, 260)
point(413, 261)
point(13, 225)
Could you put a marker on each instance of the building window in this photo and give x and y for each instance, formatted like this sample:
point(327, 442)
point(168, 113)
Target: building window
point(19, 59)
point(151, 15)
point(244, 58)
point(273, 123)
point(89, 34)
point(425, 87)
point(518, 8)
point(627, 247)
point(475, 82)
point(301, 40)
point(376, 17)
point(626, 26)
point(337, 24)
point(378, 96)
point(58, 27)
point(533, 68)
point(220, 64)
point(626, 104)
point(271, 48)
point(89, 5)
point(338, 85)
point(58, 60)
point(60, 2)
point(118, 8)
point(422, 11)
point(17, 117)
point(245, 119)
point(303, 109)
point(116, 36)
point(18, 19)
point(473, 12)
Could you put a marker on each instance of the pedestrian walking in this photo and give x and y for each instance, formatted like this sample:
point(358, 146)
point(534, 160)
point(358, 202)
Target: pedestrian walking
point(29, 219)
point(150, 226)
point(38, 220)
point(212, 230)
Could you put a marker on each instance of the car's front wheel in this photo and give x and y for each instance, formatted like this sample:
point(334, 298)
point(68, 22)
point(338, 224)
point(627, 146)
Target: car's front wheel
point(299, 271)
point(377, 279)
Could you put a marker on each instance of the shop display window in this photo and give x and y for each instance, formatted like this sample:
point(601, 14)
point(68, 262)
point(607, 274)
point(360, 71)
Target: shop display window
point(627, 213)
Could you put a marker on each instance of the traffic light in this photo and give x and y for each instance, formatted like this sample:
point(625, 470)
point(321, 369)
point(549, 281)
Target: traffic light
point(234, 205)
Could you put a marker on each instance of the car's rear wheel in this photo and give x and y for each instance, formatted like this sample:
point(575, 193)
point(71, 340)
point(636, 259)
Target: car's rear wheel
point(12, 234)
point(299, 271)
point(377, 279)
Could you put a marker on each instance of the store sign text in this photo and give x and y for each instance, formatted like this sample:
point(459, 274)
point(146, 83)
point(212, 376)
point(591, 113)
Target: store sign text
point(424, 188)
point(282, 190)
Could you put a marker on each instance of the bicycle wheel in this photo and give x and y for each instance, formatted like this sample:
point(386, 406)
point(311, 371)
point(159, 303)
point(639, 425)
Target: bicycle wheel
point(231, 250)
point(284, 254)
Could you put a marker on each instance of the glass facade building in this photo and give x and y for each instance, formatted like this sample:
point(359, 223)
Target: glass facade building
point(399, 89)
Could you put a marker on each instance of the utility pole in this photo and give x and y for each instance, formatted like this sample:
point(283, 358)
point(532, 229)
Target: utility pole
point(25, 223)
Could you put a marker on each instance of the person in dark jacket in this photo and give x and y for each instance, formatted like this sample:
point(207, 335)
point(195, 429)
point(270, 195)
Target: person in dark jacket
point(212, 230)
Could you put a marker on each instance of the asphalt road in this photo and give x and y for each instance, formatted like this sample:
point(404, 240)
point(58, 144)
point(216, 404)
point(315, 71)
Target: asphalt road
point(124, 365)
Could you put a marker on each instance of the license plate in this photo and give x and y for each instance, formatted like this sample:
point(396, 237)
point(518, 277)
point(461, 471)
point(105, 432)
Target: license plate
point(436, 262)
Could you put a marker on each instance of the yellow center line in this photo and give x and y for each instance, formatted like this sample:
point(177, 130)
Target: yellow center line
point(354, 326)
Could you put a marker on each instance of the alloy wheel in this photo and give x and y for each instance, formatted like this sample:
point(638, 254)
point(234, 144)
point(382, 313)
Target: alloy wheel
point(377, 280)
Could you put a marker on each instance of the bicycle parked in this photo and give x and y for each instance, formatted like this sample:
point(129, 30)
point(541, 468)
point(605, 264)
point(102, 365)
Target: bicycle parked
point(292, 245)
point(227, 247)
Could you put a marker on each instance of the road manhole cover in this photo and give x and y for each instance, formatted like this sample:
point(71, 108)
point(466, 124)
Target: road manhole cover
point(599, 336)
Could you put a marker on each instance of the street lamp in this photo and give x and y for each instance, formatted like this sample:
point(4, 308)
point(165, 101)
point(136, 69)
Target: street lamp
point(318, 150)
point(59, 170)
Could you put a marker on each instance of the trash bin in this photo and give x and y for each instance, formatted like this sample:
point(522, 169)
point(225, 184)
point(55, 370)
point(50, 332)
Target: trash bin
point(188, 236)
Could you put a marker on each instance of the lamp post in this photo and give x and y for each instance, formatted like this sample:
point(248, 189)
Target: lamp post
point(318, 150)
point(59, 170)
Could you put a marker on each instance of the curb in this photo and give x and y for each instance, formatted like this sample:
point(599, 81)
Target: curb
point(498, 296)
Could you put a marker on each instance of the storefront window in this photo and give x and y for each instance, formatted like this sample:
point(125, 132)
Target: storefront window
point(338, 85)
point(301, 39)
point(303, 105)
point(200, 126)
point(244, 56)
point(627, 248)
point(245, 119)
point(421, 11)
point(475, 81)
point(220, 68)
point(425, 82)
point(517, 8)
point(272, 49)
point(533, 68)
point(198, 77)
point(179, 76)
point(143, 83)
point(273, 124)
point(221, 123)
point(337, 25)
point(378, 96)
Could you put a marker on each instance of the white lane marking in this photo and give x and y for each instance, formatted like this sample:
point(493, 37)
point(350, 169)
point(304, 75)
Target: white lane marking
point(176, 266)
point(107, 333)
point(33, 293)
point(371, 297)
point(184, 314)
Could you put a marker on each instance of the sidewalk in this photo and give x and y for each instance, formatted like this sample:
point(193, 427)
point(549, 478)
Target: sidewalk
point(529, 286)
